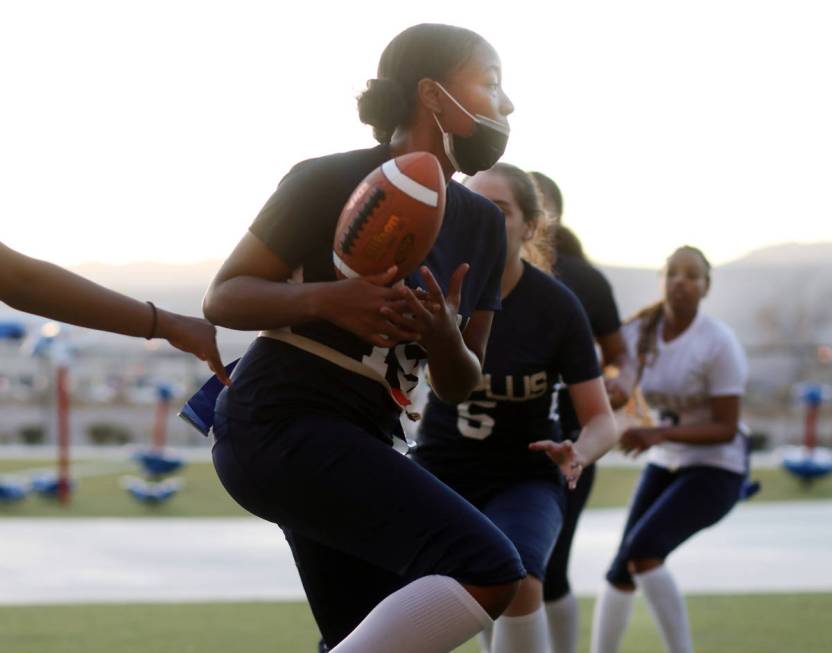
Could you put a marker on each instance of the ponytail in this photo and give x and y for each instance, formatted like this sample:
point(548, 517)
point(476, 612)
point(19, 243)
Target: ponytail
point(646, 345)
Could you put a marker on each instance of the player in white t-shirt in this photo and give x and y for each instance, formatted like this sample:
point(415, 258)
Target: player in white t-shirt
point(692, 371)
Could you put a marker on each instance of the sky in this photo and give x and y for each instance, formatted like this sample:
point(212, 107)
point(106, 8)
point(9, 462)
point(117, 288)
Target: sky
point(156, 130)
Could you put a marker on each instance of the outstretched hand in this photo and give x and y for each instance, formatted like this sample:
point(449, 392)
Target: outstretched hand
point(194, 336)
point(565, 456)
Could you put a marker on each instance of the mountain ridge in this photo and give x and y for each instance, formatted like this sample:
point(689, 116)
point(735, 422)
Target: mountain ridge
point(778, 294)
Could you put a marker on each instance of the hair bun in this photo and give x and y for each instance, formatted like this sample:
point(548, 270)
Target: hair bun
point(382, 106)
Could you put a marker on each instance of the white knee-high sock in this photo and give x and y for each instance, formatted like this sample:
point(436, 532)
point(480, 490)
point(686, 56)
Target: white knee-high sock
point(612, 613)
point(484, 638)
point(564, 621)
point(668, 608)
point(433, 614)
point(526, 634)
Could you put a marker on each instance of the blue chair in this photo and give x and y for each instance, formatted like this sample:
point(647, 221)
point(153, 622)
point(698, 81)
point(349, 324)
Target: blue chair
point(47, 484)
point(157, 463)
point(807, 465)
point(151, 493)
point(12, 491)
point(12, 331)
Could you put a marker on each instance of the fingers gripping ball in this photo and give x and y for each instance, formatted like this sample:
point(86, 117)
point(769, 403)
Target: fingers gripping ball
point(391, 218)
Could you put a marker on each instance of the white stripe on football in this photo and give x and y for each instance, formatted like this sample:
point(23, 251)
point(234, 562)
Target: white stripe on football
point(407, 185)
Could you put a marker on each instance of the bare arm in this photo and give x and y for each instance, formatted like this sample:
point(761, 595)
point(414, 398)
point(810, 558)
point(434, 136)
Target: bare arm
point(614, 353)
point(251, 292)
point(45, 289)
point(456, 369)
point(248, 293)
point(722, 427)
point(38, 287)
point(613, 349)
point(597, 436)
point(598, 433)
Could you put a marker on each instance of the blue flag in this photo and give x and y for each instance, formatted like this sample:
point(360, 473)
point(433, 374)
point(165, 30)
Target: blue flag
point(198, 411)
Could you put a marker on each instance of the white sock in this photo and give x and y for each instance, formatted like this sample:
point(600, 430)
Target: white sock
point(612, 612)
point(484, 638)
point(526, 634)
point(668, 607)
point(433, 614)
point(563, 620)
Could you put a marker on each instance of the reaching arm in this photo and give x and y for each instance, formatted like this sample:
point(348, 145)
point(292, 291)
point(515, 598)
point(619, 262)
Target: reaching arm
point(598, 433)
point(597, 436)
point(38, 287)
point(614, 354)
point(45, 289)
point(613, 349)
point(722, 427)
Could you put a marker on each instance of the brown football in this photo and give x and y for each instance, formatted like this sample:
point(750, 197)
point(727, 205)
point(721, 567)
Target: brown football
point(391, 218)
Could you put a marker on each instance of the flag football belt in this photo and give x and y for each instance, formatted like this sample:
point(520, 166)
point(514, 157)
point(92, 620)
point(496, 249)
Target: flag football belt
point(343, 361)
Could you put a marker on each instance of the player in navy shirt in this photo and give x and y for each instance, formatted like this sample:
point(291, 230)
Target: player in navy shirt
point(493, 447)
point(595, 294)
point(390, 558)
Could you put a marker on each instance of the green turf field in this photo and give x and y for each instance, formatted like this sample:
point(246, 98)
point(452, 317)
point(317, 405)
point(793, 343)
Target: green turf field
point(721, 624)
point(202, 496)
point(101, 495)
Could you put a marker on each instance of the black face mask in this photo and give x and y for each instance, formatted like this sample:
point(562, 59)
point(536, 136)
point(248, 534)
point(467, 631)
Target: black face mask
point(481, 147)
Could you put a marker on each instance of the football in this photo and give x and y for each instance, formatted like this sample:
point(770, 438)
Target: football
point(392, 218)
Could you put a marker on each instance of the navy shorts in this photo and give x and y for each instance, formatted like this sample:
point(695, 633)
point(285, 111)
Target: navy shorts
point(362, 520)
point(525, 505)
point(531, 515)
point(669, 507)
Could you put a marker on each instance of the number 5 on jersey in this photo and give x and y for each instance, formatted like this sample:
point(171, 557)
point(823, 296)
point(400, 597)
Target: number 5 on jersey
point(474, 420)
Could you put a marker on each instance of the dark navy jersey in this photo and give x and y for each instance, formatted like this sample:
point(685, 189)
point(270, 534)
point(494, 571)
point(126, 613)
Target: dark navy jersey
point(540, 336)
point(593, 291)
point(298, 224)
point(595, 294)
